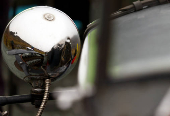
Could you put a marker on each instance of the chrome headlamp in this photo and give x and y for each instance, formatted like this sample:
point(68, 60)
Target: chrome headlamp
point(41, 42)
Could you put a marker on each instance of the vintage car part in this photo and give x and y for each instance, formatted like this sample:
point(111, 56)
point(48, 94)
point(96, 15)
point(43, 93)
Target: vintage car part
point(41, 41)
point(40, 45)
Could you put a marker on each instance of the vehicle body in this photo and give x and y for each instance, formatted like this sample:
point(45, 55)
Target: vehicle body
point(138, 63)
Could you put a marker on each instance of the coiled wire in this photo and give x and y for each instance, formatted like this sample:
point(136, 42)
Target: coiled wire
point(45, 98)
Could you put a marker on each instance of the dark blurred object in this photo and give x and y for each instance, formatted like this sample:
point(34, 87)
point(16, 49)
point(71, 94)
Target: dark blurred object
point(103, 39)
point(76, 9)
point(29, 2)
point(4, 8)
point(127, 2)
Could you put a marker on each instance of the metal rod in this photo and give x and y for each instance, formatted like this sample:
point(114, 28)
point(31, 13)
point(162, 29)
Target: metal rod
point(103, 38)
point(109, 6)
point(5, 100)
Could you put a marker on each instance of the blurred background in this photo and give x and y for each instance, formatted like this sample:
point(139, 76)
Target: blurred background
point(82, 12)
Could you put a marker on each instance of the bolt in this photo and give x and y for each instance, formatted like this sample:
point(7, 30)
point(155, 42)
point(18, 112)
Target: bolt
point(49, 17)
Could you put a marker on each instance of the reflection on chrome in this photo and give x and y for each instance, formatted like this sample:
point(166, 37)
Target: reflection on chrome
point(41, 42)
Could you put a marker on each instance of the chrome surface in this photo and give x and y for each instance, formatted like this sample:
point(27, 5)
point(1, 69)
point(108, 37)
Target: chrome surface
point(49, 17)
point(41, 42)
